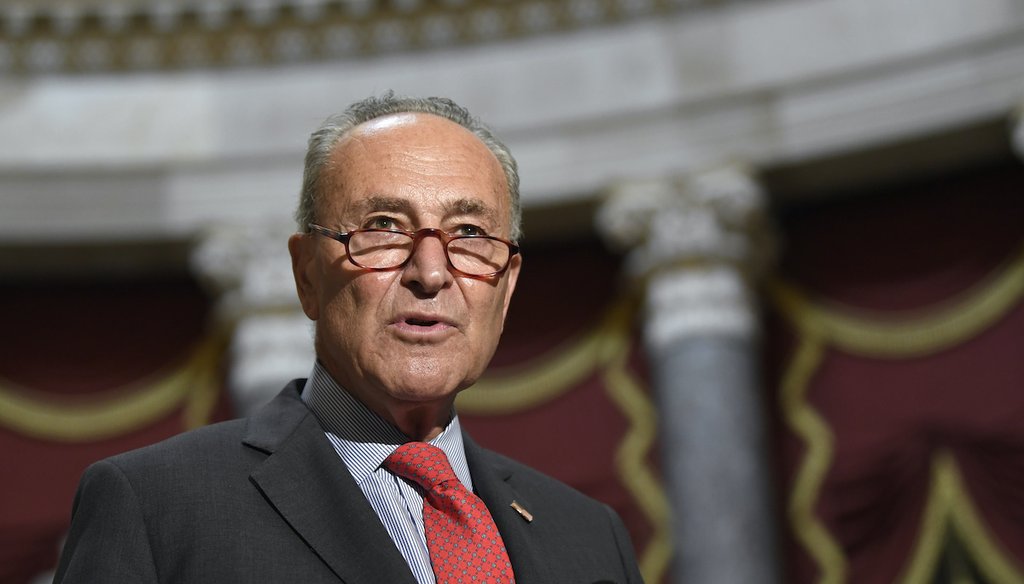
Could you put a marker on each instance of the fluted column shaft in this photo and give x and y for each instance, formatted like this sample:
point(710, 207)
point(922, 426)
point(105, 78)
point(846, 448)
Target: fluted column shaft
point(697, 244)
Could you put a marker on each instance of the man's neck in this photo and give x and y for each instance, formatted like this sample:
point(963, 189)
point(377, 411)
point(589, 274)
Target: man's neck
point(419, 420)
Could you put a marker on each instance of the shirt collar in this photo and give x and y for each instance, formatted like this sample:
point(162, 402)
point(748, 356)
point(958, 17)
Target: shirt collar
point(363, 439)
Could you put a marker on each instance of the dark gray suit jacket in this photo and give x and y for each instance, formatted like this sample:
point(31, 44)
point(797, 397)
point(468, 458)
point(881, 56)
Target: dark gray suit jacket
point(267, 499)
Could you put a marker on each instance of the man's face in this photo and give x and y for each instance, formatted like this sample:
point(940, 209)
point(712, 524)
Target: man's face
point(420, 333)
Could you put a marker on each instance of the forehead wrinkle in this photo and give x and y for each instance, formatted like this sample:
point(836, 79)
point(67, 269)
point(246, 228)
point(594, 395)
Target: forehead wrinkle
point(460, 206)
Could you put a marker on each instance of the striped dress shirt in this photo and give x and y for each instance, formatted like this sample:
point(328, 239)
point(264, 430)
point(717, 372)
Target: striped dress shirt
point(363, 440)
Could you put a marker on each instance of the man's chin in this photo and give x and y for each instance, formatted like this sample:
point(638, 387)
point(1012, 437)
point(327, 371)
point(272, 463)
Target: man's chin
point(420, 391)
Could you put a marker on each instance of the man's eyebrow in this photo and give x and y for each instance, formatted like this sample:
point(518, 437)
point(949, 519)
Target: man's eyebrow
point(383, 203)
point(471, 207)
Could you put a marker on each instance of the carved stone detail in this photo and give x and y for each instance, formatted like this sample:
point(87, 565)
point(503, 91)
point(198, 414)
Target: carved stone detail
point(698, 242)
point(156, 34)
point(249, 269)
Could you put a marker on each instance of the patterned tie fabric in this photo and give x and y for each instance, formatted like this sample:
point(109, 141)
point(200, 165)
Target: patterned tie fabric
point(463, 542)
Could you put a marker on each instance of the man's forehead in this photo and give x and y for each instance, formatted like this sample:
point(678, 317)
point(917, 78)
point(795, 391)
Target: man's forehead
point(412, 135)
point(375, 166)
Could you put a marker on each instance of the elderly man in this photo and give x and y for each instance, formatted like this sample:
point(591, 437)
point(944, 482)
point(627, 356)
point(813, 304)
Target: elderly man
point(406, 261)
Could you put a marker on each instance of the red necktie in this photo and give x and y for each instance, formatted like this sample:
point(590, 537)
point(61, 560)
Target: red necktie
point(463, 542)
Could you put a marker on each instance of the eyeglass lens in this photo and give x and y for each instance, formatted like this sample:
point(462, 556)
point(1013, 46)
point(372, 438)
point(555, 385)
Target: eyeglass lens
point(389, 249)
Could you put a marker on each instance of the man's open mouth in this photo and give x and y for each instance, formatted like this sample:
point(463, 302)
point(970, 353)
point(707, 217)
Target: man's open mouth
point(420, 322)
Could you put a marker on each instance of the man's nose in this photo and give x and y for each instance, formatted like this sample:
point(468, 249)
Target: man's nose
point(428, 266)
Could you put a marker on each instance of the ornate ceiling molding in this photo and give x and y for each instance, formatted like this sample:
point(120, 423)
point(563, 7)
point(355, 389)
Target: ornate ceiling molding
point(129, 35)
point(156, 157)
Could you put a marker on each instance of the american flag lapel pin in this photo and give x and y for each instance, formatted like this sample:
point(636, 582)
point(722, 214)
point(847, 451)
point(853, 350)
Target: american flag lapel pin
point(522, 511)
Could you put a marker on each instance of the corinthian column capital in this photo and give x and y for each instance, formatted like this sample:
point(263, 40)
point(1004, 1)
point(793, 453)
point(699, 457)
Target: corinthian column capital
point(697, 242)
point(712, 217)
point(248, 268)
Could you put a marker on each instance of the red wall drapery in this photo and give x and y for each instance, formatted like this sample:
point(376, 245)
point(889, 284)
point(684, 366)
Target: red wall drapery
point(99, 367)
point(895, 354)
point(75, 354)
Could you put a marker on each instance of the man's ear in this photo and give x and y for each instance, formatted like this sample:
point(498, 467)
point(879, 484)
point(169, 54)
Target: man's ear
point(302, 248)
point(513, 276)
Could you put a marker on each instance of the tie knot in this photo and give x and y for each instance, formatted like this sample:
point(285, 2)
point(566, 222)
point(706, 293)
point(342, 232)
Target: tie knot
point(423, 463)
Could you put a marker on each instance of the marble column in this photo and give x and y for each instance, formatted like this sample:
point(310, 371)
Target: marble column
point(249, 269)
point(697, 244)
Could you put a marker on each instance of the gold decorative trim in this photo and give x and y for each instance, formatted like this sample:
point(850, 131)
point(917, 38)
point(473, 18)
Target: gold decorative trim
point(950, 507)
point(630, 458)
point(814, 431)
point(881, 336)
point(206, 386)
point(925, 557)
point(887, 336)
point(523, 387)
point(118, 412)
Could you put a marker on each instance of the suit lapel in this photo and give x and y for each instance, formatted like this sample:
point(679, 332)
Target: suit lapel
point(305, 481)
point(491, 480)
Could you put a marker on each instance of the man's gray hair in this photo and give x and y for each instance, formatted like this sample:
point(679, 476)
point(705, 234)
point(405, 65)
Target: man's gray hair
point(334, 128)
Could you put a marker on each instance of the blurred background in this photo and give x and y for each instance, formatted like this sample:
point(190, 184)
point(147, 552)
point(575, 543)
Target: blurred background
point(772, 306)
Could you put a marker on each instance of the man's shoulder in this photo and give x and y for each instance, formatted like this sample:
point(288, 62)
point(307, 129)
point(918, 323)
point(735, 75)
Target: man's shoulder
point(206, 439)
point(237, 442)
